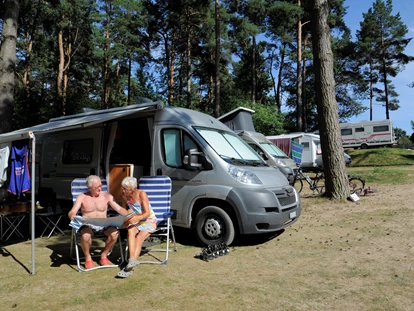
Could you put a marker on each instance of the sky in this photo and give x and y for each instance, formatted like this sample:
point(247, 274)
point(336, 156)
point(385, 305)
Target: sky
point(400, 118)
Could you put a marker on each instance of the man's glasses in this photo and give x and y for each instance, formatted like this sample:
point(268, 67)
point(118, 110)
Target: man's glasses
point(97, 187)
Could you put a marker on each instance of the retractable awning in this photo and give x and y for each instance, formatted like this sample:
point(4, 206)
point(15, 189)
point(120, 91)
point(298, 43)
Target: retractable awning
point(81, 120)
point(75, 121)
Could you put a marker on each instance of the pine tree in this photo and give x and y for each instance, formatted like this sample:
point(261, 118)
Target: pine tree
point(381, 43)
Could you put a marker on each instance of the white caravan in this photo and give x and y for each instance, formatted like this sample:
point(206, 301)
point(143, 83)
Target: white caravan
point(311, 147)
point(367, 134)
point(221, 186)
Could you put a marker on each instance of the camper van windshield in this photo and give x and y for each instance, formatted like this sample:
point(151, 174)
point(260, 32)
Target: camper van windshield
point(230, 147)
point(274, 150)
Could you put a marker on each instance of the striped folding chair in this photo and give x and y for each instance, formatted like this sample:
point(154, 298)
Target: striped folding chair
point(158, 189)
point(79, 186)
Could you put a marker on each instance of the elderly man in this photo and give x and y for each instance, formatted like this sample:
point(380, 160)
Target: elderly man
point(94, 204)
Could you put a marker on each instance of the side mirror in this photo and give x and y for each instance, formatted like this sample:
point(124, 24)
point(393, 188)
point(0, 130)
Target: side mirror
point(191, 159)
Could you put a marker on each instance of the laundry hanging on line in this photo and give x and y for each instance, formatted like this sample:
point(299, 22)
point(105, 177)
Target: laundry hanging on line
point(4, 163)
point(19, 176)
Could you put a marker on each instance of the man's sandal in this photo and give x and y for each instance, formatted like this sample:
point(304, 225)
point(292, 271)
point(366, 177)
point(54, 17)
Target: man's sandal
point(124, 273)
point(104, 262)
point(89, 264)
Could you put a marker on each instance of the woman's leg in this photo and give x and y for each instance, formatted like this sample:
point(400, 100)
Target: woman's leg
point(132, 232)
point(138, 241)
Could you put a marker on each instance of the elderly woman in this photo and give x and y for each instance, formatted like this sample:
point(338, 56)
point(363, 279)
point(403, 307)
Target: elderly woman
point(140, 225)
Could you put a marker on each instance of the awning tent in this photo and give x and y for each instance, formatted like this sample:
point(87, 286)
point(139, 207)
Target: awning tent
point(82, 120)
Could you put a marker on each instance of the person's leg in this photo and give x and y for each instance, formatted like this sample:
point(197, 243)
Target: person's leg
point(132, 232)
point(112, 234)
point(139, 240)
point(86, 242)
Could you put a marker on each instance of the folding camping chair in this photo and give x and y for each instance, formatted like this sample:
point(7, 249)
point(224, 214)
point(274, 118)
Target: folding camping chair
point(79, 186)
point(158, 189)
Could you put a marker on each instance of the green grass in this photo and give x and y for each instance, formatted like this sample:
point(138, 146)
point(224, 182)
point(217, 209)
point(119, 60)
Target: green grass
point(383, 165)
point(381, 157)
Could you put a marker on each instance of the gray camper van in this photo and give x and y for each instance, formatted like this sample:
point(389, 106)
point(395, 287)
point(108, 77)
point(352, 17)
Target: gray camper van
point(270, 153)
point(241, 122)
point(221, 187)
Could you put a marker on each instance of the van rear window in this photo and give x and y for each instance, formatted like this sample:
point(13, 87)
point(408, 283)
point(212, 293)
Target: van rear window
point(78, 151)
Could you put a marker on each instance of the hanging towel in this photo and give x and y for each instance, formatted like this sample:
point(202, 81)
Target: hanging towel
point(19, 177)
point(4, 163)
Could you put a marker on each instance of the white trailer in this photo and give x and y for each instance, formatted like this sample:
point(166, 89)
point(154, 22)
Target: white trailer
point(311, 147)
point(367, 134)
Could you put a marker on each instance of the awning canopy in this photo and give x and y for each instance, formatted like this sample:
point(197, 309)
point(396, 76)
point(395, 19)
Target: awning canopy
point(77, 121)
point(80, 120)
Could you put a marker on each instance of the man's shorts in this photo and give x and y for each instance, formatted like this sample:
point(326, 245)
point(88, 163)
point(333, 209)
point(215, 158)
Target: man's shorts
point(95, 229)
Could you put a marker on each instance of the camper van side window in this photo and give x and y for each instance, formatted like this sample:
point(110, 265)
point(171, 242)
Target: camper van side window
point(359, 130)
point(175, 146)
point(77, 151)
point(345, 132)
point(380, 128)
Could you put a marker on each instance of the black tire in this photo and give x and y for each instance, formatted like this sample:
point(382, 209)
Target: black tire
point(298, 185)
point(364, 146)
point(213, 225)
point(356, 185)
point(320, 185)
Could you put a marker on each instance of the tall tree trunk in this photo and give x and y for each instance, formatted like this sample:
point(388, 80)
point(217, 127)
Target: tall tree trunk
point(336, 181)
point(299, 108)
point(279, 79)
point(27, 64)
point(8, 63)
point(188, 69)
point(217, 62)
point(254, 73)
point(304, 103)
point(61, 65)
point(371, 88)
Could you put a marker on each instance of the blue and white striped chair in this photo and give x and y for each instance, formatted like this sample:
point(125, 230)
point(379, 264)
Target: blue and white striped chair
point(79, 186)
point(158, 189)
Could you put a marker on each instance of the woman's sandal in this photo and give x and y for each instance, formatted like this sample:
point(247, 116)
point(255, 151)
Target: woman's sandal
point(124, 273)
point(131, 263)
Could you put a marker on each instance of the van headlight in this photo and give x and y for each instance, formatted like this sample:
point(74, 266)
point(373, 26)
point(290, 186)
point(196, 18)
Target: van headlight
point(243, 176)
point(280, 162)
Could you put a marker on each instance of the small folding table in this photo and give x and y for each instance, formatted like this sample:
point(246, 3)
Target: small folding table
point(51, 220)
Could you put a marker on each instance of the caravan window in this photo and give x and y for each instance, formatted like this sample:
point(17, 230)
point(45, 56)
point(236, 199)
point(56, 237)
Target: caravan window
point(175, 143)
point(381, 128)
point(345, 132)
point(305, 145)
point(359, 130)
point(77, 151)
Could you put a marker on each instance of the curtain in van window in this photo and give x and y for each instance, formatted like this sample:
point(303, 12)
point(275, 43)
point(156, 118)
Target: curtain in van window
point(172, 148)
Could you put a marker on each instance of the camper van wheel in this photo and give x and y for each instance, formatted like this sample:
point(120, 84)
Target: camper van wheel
point(364, 146)
point(213, 225)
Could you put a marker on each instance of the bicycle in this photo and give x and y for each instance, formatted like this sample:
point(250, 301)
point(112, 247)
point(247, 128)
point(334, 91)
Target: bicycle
point(316, 183)
point(356, 183)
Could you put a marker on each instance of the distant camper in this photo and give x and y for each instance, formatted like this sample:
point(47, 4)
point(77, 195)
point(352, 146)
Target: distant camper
point(367, 134)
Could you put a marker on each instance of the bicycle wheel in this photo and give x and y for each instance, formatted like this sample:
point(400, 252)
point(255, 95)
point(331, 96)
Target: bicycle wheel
point(320, 184)
point(356, 185)
point(298, 185)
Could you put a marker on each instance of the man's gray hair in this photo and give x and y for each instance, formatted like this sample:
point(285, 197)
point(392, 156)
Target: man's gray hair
point(90, 179)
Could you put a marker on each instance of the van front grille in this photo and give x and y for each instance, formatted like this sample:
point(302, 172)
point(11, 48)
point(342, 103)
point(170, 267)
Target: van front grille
point(286, 196)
